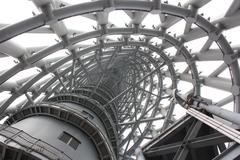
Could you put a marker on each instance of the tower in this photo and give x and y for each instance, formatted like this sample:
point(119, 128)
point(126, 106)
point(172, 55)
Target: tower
point(134, 90)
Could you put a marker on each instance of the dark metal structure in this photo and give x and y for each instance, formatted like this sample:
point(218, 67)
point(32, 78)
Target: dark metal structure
point(117, 98)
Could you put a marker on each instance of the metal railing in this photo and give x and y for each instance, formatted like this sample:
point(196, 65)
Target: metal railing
point(31, 144)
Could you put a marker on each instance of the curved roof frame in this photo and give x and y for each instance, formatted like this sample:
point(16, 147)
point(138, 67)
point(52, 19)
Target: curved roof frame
point(188, 12)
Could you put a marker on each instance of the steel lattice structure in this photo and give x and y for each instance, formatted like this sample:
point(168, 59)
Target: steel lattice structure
point(135, 70)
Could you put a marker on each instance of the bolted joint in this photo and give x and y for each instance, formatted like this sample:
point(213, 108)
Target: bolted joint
point(47, 10)
point(192, 17)
point(235, 90)
point(65, 41)
point(103, 29)
point(191, 61)
point(74, 54)
point(156, 7)
point(35, 91)
point(180, 45)
point(44, 69)
point(47, 92)
point(24, 59)
point(168, 62)
point(216, 32)
point(29, 97)
point(230, 58)
point(101, 44)
point(56, 74)
point(163, 29)
point(56, 92)
point(15, 90)
point(198, 82)
point(136, 28)
point(147, 40)
point(118, 49)
point(126, 40)
point(164, 35)
point(181, 41)
point(201, 80)
point(64, 78)
point(176, 76)
point(98, 53)
point(194, 58)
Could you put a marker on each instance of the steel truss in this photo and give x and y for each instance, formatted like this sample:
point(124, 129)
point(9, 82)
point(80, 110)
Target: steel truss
point(142, 68)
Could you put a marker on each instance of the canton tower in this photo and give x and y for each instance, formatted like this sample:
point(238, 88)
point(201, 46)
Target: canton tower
point(120, 80)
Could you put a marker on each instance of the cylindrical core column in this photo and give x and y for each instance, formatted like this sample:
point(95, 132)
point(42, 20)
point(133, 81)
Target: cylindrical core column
point(65, 137)
point(71, 126)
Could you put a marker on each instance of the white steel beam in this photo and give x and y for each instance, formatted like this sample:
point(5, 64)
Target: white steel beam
point(215, 82)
